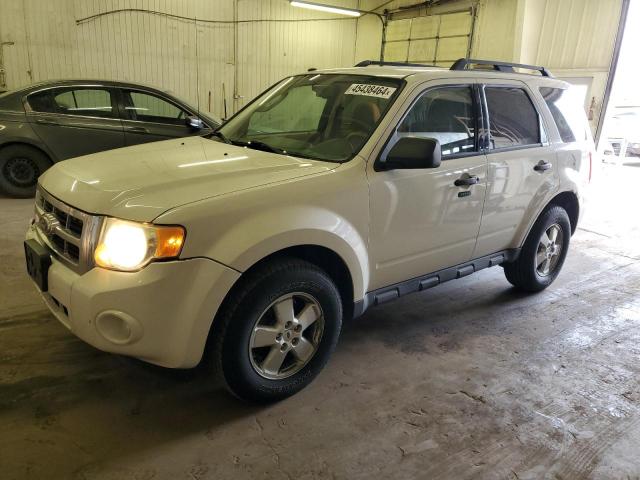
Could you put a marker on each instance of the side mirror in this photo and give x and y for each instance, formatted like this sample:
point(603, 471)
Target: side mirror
point(413, 152)
point(194, 122)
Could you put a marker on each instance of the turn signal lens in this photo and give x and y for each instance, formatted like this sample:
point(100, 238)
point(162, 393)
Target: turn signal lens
point(129, 246)
point(169, 241)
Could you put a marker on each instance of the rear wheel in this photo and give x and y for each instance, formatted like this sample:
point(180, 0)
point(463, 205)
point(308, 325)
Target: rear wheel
point(277, 330)
point(543, 253)
point(20, 167)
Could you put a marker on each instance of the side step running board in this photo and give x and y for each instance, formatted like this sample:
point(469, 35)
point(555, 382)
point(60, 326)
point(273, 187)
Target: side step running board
point(386, 294)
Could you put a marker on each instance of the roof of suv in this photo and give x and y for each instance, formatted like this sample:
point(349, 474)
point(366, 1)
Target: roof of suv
point(427, 72)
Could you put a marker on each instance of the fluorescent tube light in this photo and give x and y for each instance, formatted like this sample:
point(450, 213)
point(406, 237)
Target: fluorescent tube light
point(326, 8)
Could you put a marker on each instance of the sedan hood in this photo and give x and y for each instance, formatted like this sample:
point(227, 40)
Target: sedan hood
point(141, 182)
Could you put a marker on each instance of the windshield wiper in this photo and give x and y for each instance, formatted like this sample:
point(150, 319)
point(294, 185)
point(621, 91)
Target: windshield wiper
point(255, 144)
point(258, 145)
point(220, 135)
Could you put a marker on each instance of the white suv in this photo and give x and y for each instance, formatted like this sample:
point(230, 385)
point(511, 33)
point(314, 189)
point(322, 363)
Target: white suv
point(331, 192)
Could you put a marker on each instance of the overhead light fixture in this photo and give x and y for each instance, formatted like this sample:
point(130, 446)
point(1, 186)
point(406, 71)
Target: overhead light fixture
point(325, 8)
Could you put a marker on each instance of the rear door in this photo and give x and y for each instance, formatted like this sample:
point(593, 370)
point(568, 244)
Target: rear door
point(522, 170)
point(148, 117)
point(76, 120)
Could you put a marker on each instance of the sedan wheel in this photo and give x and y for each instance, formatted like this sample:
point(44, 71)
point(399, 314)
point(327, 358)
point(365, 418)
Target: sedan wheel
point(21, 172)
point(20, 167)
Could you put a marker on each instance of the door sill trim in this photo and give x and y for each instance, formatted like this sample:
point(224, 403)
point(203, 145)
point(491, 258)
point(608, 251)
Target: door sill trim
point(423, 282)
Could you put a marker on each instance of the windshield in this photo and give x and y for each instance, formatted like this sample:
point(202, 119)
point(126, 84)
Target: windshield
point(322, 116)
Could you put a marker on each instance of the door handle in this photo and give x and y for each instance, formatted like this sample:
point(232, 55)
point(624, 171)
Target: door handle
point(137, 130)
point(44, 121)
point(542, 166)
point(465, 181)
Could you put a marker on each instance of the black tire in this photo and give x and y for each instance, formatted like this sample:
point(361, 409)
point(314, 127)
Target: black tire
point(230, 352)
point(524, 273)
point(20, 167)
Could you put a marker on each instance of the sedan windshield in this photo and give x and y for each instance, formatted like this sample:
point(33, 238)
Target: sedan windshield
point(322, 116)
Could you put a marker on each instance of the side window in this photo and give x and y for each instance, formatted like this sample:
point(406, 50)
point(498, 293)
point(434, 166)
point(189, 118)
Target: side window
point(513, 120)
point(299, 111)
point(145, 107)
point(446, 114)
point(566, 112)
point(91, 102)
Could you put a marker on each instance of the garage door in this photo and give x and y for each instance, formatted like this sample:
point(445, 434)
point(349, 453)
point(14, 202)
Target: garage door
point(433, 39)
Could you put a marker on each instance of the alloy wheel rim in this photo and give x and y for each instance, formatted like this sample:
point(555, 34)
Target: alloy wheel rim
point(21, 172)
point(286, 336)
point(549, 250)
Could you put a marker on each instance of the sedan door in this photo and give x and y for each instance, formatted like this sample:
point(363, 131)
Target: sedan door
point(76, 120)
point(422, 220)
point(148, 117)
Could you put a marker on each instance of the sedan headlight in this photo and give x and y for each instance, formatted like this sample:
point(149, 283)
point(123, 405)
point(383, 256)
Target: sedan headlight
point(129, 246)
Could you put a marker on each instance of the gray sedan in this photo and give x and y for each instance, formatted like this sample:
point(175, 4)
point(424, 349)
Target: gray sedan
point(52, 121)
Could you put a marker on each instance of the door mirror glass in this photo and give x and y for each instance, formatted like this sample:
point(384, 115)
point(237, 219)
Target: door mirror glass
point(194, 122)
point(413, 152)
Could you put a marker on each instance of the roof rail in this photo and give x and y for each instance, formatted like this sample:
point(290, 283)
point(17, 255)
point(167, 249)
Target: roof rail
point(463, 63)
point(366, 63)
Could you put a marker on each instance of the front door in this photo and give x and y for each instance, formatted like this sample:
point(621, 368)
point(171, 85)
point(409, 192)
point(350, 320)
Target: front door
point(421, 221)
point(148, 118)
point(75, 121)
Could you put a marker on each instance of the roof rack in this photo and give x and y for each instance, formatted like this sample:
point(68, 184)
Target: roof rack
point(366, 63)
point(463, 63)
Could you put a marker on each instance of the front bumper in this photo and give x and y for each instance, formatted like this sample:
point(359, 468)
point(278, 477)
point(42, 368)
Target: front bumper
point(161, 314)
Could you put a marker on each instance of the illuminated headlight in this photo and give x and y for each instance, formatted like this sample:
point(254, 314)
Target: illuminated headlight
point(129, 246)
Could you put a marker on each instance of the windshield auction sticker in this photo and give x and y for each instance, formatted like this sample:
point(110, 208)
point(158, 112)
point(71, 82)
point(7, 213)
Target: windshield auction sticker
point(379, 91)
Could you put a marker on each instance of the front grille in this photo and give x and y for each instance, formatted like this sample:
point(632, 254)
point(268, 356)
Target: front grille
point(69, 233)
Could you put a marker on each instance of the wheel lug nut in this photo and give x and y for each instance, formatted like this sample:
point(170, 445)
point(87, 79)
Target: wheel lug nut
point(295, 341)
point(279, 337)
point(284, 347)
point(287, 325)
point(298, 328)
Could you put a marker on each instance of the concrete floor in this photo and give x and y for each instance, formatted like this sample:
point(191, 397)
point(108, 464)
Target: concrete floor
point(468, 380)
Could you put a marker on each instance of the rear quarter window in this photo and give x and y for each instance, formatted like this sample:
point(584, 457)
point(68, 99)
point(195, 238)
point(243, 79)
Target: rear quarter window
point(567, 113)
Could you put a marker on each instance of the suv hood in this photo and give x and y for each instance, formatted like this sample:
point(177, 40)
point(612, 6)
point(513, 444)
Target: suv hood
point(141, 182)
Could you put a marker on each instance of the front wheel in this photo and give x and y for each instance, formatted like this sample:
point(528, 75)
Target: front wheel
point(277, 330)
point(543, 253)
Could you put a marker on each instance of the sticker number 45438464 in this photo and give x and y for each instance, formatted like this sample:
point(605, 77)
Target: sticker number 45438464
point(379, 91)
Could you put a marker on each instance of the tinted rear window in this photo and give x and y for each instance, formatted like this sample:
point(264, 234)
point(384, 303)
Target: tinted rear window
point(566, 112)
point(513, 120)
point(92, 102)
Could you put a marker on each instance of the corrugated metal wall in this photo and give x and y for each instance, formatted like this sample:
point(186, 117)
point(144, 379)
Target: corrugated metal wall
point(572, 34)
point(269, 38)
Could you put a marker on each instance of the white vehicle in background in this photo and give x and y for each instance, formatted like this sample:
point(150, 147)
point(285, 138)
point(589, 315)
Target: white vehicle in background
point(623, 132)
point(330, 193)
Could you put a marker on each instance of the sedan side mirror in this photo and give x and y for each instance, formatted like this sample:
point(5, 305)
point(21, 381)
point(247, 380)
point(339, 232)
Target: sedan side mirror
point(194, 122)
point(413, 152)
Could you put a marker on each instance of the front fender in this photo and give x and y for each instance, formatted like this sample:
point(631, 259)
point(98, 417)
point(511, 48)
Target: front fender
point(330, 210)
point(266, 233)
